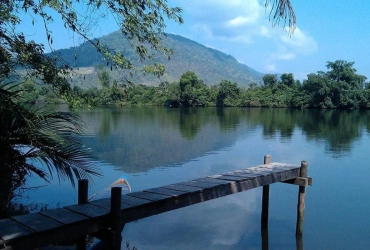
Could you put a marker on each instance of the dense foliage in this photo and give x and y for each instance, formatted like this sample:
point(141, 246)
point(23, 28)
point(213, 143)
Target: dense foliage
point(338, 88)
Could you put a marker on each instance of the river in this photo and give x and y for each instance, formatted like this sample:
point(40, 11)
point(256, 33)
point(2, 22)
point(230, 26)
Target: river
point(157, 146)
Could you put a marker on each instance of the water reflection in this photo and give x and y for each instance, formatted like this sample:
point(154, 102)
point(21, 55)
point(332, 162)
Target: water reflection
point(139, 139)
point(216, 224)
point(190, 123)
point(265, 240)
point(229, 118)
point(339, 129)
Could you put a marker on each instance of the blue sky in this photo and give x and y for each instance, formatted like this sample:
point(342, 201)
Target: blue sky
point(326, 31)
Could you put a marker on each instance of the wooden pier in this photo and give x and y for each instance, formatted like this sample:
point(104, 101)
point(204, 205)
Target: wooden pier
point(106, 218)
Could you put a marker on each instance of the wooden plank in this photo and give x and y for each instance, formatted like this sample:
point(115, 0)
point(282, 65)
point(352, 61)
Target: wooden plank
point(68, 232)
point(106, 203)
point(149, 196)
point(11, 230)
point(228, 177)
point(133, 201)
point(103, 203)
point(277, 165)
point(290, 174)
point(189, 189)
point(247, 175)
point(37, 222)
point(218, 181)
point(156, 207)
point(88, 210)
point(164, 191)
point(247, 185)
point(200, 184)
point(217, 192)
point(257, 170)
point(63, 216)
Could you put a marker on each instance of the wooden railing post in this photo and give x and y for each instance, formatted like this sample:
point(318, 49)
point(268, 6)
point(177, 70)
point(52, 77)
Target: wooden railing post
point(83, 194)
point(265, 198)
point(83, 189)
point(115, 212)
point(301, 200)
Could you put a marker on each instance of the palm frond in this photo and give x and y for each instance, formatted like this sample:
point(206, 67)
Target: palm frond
point(282, 10)
point(30, 138)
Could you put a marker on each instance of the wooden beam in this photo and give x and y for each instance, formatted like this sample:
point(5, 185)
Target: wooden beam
point(300, 181)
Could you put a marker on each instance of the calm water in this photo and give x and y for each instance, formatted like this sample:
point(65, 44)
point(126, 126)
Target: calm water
point(158, 146)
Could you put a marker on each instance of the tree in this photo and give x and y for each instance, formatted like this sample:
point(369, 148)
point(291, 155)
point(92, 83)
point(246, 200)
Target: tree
point(228, 94)
point(343, 71)
point(103, 76)
point(270, 80)
point(339, 87)
point(193, 91)
point(287, 79)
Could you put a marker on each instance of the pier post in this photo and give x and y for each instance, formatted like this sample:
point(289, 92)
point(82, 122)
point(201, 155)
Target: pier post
point(265, 198)
point(83, 189)
point(301, 200)
point(115, 211)
point(83, 193)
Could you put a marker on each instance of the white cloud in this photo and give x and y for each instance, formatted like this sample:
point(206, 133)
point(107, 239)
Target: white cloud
point(288, 48)
point(270, 68)
point(264, 31)
point(235, 20)
point(300, 42)
point(284, 56)
point(239, 21)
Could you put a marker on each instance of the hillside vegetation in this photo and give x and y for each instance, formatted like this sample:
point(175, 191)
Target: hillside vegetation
point(210, 65)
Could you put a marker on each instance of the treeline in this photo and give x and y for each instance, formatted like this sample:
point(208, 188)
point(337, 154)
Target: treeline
point(338, 88)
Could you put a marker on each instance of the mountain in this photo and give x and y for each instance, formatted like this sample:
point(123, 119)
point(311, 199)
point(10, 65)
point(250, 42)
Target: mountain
point(209, 64)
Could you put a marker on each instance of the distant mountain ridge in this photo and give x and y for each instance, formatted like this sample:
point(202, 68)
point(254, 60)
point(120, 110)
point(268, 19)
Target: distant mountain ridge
point(209, 64)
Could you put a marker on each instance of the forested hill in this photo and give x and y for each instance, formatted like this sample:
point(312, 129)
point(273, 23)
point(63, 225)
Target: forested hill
point(210, 65)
